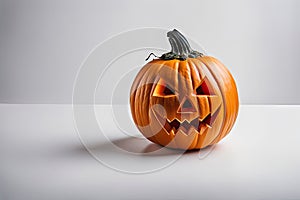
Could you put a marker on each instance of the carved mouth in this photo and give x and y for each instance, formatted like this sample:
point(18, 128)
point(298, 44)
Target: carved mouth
point(187, 127)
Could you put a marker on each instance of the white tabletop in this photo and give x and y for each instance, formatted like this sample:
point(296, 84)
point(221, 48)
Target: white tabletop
point(42, 157)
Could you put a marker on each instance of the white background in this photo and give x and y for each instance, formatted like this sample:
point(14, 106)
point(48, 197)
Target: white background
point(43, 43)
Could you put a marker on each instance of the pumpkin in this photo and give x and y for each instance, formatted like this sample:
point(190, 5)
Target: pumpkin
point(184, 99)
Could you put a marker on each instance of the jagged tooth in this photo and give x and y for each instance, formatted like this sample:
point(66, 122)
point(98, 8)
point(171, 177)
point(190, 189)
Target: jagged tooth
point(195, 123)
point(181, 120)
point(182, 129)
point(195, 119)
point(185, 120)
point(172, 119)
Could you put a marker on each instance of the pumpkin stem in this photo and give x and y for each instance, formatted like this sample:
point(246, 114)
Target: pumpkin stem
point(181, 48)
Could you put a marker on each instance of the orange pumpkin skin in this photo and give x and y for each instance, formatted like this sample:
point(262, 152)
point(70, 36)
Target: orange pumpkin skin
point(186, 103)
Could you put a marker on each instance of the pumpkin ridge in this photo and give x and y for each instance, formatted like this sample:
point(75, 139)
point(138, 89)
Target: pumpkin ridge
point(191, 76)
point(234, 114)
point(227, 121)
point(194, 70)
point(223, 99)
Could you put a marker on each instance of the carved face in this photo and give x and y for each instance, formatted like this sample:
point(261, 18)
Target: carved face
point(190, 103)
point(187, 109)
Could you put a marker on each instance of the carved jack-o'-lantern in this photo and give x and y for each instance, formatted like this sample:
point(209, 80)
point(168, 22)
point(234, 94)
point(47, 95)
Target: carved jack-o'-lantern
point(184, 99)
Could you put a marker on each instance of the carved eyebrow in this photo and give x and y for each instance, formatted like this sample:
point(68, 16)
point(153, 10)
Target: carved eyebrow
point(162, 88)
point(205, 88)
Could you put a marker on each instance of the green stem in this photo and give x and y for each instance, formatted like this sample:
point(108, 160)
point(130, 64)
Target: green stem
point(181, 48)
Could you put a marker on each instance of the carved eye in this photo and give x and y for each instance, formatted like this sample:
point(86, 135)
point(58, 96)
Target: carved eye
point(163, 89)
point(205, 88)
point(167, 90)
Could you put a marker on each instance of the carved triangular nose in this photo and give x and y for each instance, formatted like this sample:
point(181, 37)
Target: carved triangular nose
point(186, 107)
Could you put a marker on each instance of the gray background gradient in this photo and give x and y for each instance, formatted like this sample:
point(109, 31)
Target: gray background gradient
point(43, 43)
point(42, 46)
